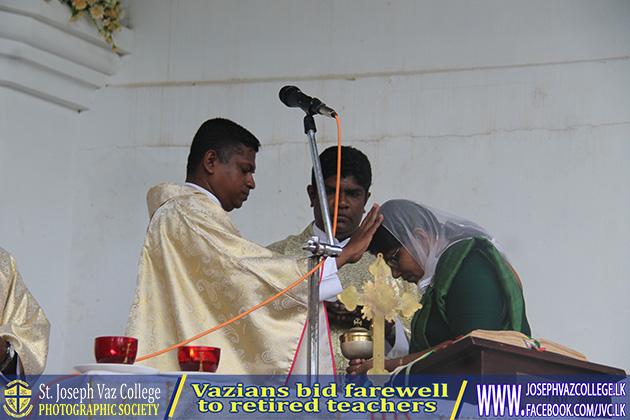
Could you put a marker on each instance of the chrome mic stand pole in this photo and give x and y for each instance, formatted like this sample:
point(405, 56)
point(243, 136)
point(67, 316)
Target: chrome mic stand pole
point(317, 250)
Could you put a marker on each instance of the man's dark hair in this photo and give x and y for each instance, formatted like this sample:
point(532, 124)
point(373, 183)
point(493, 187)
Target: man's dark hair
point(224, 137)
point(353, 163)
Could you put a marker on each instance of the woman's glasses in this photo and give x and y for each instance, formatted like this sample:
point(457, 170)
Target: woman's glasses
point(393, 260)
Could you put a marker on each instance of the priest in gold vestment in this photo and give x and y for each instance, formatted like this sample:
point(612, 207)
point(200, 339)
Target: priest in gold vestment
point(196, 271)
point(356, 178)
point(24, 328)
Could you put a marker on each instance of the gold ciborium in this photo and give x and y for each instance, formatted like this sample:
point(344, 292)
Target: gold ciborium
point(356, 343)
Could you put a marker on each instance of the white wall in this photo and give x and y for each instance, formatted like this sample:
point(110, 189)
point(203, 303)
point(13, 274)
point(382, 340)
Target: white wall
point(515, 114)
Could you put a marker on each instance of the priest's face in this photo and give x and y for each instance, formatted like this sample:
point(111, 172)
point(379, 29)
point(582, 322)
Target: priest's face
point(352, 200)
point(232, 181)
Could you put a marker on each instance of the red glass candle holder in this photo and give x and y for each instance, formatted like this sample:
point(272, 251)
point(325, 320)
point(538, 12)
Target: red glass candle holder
point(115, 350)
point(198, 358)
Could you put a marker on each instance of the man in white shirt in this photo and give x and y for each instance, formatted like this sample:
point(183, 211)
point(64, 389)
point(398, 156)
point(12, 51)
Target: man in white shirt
point(356, 178)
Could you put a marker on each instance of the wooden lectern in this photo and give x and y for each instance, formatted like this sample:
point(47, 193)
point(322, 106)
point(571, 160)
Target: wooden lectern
point(478, 356)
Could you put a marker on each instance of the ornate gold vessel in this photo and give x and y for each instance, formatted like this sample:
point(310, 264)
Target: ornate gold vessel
point(356, 343)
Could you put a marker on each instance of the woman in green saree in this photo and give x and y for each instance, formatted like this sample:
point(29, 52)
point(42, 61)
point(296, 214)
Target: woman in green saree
point(461, 271)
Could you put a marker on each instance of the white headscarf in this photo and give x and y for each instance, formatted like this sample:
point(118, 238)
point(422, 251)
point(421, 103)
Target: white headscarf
point(402, 217)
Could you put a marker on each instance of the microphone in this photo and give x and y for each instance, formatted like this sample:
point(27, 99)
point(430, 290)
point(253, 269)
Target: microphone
point(293, 97)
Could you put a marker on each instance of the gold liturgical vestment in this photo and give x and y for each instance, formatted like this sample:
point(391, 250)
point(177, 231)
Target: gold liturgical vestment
point(349, 275)
point(23, 322)
point(196, 271)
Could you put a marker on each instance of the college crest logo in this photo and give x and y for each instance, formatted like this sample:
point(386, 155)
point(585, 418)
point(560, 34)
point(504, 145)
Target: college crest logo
point(17, 399)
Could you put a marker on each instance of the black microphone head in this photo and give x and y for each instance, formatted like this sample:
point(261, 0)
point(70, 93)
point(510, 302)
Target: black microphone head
point(285, 92)
point(293, 97)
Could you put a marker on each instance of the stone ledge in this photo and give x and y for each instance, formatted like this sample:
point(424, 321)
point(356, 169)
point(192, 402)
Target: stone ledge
point(42, 53)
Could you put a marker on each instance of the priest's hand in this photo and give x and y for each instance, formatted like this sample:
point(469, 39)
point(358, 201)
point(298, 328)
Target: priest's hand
point(360, 240)
point(338, 313)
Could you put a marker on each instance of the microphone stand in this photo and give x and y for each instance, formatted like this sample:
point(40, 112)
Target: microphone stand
point(317, 250)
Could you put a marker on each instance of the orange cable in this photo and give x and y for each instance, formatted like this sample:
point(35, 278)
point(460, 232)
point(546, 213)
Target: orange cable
point(338, 182)
point(236, 318)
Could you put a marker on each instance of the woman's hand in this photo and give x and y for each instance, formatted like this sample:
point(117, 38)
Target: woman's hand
point(359, 366)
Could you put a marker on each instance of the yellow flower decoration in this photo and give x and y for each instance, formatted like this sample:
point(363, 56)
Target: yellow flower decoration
point(105, 14)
